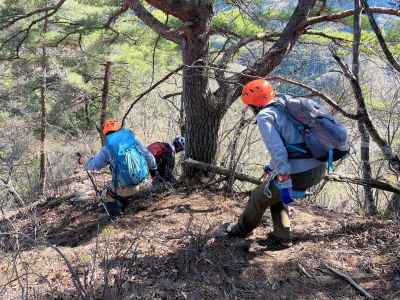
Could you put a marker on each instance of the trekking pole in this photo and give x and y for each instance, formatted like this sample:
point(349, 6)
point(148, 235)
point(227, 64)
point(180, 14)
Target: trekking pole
point(96, 189)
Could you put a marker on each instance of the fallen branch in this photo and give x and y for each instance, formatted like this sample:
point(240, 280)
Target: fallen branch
point(378, 184)
point(219, 170)
point(304, 271)
point(381, 184)
point(351, 281)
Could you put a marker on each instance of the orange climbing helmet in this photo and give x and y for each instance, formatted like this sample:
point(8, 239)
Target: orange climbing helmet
point(111, 125)
point(258, 93)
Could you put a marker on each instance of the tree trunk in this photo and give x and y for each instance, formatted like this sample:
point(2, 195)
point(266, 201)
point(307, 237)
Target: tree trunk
point(43, 118)
point(202, 114)
point(369, 203)
point(104, 98)
point(393, 208)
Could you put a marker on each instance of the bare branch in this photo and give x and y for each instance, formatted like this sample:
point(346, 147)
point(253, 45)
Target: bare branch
point(234, 49)
point(365, 117)
point(144, 15)
point(149, 90)
point(348, 13)
point(224, 31)
point(379, 36)
point(275, 54)
point(315, 92)
point(328, 36)
point(183, 10)
point(171, 95)
point(116, 14)
point(10, 188)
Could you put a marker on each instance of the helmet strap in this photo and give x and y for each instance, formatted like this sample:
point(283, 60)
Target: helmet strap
point(255, 109)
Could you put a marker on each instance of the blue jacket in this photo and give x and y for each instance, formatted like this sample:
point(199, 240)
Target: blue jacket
point(275, 124)
point(103, 158)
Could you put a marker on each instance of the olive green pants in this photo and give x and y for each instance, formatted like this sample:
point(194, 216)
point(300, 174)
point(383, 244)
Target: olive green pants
point(258, 203)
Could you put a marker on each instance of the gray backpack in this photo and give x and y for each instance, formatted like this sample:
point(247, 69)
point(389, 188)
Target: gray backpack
point(325, 138)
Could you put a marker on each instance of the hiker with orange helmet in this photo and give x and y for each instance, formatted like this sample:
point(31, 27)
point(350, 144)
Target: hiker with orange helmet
point(283, 175)
point(131, 164)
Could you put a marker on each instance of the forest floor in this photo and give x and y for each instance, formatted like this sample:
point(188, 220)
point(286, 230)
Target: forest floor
point(172, 246)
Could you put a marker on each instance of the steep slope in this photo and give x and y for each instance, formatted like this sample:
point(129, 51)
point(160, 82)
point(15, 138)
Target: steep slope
point(172, 246)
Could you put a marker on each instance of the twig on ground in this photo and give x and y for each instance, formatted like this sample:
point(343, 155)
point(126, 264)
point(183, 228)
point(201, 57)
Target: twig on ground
point(74, 276)
point(304, 271)
point(351, 281)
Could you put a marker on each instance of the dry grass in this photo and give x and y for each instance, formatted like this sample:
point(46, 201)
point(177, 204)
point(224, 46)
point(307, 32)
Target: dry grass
point(173, 247)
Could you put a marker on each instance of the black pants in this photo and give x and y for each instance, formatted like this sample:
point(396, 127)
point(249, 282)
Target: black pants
point(165, 165)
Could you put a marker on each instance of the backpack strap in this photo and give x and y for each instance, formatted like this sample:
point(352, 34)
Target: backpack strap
point(331, 166)
point(300, 126)
point(294, 150)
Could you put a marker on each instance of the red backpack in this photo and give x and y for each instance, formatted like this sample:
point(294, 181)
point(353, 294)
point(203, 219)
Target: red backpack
point(157, 149)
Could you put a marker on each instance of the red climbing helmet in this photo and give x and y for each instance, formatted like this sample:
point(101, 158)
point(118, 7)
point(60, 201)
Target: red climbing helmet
point(111, 125)
point(258, 93)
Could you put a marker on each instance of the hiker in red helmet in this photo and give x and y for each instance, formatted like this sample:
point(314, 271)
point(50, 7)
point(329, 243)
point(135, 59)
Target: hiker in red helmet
point(293, 167)
point(164, 154)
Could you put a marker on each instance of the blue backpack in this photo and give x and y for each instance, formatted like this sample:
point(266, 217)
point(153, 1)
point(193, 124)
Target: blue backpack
point(129, 165)
point(325, 138)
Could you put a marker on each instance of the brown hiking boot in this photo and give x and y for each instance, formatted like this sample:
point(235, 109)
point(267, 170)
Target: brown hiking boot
point(235, 230)
point(274, 243)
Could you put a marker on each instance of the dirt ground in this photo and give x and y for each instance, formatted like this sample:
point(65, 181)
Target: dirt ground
point(173, 247)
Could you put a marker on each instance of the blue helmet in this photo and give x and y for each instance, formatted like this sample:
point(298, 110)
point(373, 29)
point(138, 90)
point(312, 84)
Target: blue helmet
point(179, 143)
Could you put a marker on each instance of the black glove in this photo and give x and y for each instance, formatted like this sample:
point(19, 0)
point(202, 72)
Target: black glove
point(154, 173)
point(268, 169)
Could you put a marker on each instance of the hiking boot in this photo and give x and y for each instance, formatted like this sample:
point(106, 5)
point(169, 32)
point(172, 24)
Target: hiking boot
point(274, 243)
point(122, 203)
point(112, 209)
point(235, 230)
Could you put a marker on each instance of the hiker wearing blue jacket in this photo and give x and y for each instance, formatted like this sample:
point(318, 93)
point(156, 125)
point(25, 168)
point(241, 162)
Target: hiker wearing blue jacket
point(283, 175)
point(131, 164)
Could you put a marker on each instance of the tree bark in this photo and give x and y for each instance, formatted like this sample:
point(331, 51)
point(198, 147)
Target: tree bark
point(104, 97)
point(43, 118)
point(204, 110)
point(202, 114)
point(369, 202)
